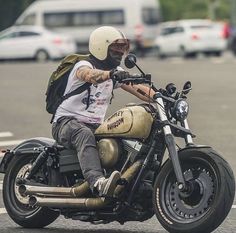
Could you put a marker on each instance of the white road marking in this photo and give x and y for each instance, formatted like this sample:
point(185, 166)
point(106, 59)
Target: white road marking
point(233, 206)
point(11, 143)
point(3, 211)
point(6, 134)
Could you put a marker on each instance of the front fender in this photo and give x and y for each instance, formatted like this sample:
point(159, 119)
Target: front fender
point(184, 150)
point(193, 147)
point(190, 149)
point(26, 147)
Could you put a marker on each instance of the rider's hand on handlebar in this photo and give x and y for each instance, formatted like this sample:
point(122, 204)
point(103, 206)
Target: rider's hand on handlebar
point(119, 75)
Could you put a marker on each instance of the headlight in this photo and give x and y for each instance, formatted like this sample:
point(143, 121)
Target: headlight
point(180, 110)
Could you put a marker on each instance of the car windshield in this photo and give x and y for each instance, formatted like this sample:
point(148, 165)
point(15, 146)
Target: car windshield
point(6, 34)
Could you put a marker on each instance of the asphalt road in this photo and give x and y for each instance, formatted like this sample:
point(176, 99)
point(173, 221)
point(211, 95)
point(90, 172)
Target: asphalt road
point(212, 119)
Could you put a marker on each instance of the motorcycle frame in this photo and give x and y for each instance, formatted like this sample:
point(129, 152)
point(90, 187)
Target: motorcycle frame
point(161, 126)
point(163, 123)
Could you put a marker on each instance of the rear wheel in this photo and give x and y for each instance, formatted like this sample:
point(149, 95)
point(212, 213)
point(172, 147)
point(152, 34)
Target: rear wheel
point(208, 200)
point(16, 204)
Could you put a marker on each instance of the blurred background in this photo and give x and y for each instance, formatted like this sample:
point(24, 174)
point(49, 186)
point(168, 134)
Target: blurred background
point(55, 28)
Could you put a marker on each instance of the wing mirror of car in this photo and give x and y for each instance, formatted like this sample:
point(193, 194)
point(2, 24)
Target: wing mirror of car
point(130, 61)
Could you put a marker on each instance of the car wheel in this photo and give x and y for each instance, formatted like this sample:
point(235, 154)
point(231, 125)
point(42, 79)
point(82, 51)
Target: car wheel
point(182, 52)
point(191, 55)
point(218, 53)
point(207, 54)
point(159, 54)
point(41, 56)
point(233, 47)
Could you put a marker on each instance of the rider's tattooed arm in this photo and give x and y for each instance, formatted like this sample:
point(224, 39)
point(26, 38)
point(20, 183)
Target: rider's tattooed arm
point(92, 75)
point(141, 91)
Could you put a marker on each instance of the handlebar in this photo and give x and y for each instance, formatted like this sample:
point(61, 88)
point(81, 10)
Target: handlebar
point(136, 79)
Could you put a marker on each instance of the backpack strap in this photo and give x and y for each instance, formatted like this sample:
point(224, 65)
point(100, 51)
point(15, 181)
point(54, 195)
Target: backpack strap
point(79, 90)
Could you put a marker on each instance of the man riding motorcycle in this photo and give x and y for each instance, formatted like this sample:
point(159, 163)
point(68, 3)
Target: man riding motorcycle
point(78, 116)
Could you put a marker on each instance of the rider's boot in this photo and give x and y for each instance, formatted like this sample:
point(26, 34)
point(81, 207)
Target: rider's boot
point(106, 187)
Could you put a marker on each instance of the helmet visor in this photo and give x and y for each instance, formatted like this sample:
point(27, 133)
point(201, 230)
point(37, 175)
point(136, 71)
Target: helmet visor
point(120, 46)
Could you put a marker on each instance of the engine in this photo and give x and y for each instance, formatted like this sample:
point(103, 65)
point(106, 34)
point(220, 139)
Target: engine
point(111, 150)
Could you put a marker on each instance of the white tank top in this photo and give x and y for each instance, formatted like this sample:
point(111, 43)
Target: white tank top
point(75, 106)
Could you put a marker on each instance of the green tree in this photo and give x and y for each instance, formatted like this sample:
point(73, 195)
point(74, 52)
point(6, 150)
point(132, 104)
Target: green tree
point(10, 11)
point(189, 9)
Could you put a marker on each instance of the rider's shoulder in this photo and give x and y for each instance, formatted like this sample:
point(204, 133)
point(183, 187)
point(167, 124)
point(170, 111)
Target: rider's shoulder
point(83, 63)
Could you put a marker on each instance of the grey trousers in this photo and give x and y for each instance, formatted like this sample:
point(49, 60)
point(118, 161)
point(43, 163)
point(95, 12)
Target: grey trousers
point(73, 134)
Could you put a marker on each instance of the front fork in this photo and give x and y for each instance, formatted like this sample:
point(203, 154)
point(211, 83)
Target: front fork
point(170, 143)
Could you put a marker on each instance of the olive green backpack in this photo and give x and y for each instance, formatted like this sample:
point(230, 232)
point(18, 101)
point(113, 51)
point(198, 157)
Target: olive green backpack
point(58, 81)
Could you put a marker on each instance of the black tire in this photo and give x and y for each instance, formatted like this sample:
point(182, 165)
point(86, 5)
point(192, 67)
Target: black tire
point(217, 53)
point(205, 208)
point(233, 46)
point(182, 52)
point(16, 205)
point(41, 56)
point(192, 55)
point(159, 54)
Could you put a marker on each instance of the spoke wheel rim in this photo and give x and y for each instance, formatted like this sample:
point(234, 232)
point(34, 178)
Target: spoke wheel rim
point(20, 202)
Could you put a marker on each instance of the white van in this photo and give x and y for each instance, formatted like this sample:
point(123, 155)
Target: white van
point(138, 19)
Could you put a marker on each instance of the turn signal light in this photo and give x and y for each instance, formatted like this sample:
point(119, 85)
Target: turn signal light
point(195, 37)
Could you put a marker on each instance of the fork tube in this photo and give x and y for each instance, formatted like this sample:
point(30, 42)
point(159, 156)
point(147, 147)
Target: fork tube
point(188, 138)
point(169, 138)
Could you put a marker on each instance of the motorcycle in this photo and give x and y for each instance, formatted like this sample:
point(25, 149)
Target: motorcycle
point(191, 191)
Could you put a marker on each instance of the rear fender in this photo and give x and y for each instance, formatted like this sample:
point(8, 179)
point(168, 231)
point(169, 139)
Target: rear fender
point(26, 147)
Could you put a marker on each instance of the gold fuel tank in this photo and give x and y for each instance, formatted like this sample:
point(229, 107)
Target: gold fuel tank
point(128, 122)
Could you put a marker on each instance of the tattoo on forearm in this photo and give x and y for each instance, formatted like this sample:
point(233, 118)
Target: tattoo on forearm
point(92, 75)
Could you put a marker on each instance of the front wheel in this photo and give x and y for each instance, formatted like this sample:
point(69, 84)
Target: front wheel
point(209, 199)
point(17, 205)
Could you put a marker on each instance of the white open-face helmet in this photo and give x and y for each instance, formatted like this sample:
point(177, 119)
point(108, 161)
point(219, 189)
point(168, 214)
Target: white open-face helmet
point(104, 38)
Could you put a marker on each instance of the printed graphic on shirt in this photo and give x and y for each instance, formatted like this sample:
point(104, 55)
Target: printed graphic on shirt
point(98, 94)
point(85, 100)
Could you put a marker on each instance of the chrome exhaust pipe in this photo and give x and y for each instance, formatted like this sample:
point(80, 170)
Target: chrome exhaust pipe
point(59, 197)
point(75, 191)
point(128, 175)
point(78, 203)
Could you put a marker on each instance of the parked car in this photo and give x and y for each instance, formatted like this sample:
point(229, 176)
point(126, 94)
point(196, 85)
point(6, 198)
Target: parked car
point(232, 40)
point(187, 38)
point(27, 42)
